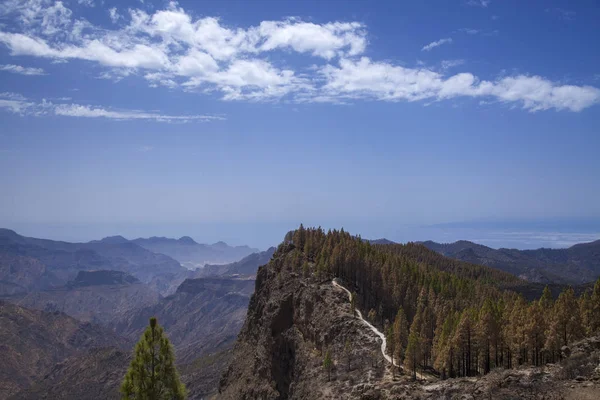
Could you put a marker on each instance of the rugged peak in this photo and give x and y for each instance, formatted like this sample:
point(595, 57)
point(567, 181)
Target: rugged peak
point(102, 277)
point(187, 240)
point(118, 239)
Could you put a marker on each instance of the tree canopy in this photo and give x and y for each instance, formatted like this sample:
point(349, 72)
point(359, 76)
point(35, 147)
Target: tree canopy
point(152, 374)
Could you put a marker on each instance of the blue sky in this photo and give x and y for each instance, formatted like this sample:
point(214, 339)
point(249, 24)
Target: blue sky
point(237, 121)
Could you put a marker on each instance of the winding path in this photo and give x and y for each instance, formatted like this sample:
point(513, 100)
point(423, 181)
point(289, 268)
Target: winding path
point(375, 330)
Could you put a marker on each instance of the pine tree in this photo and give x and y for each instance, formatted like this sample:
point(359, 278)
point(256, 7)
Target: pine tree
point(348, 353)
point(327, 364)
point(595, 312)
point(400, 334)
point(413, 352)
point(152, 374)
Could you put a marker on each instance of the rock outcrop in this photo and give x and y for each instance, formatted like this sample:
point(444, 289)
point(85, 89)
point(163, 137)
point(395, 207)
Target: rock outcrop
point(292, 322)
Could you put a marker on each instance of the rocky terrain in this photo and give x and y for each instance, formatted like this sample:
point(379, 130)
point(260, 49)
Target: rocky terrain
point(97, 374)
point(33, 341)
point(291, 323)
point(100, 297)
point(577, 264)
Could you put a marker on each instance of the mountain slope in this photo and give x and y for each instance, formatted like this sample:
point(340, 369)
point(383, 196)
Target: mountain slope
point(576, 264)
point(93, 296)
point(33, 341)
point(203, 316)
point(247, 266)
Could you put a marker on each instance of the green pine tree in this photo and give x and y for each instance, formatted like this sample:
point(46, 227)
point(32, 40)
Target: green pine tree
point(152, 374)
point(327, 364)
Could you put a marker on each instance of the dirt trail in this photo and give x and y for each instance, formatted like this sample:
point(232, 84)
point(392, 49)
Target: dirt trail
point(375, 330)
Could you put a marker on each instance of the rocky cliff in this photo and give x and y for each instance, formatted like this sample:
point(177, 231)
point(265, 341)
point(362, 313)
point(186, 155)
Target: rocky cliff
point(292, 322)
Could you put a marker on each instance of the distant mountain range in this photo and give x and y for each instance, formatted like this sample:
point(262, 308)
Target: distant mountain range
point(191, 254)
point(35, 264)
point(574, 265)
point(246, 266)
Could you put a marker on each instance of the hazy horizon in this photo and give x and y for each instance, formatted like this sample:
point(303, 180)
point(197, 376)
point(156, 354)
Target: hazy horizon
point(226, 122)
point(496, 234)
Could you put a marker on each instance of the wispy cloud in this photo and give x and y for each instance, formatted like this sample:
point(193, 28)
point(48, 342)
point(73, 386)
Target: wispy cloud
point(437, 43)
point(479, 3)
point(17, 69)
point(18, 104)
point(114, 15)
point(85, 111)
point(566, 15)
point(447, 64)
point(145, 149)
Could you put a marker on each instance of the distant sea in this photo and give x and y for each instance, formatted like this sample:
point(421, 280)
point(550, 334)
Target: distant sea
point(509, 234)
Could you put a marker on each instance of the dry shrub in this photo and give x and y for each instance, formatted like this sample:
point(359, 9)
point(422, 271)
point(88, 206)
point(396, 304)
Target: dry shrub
point(579, 364)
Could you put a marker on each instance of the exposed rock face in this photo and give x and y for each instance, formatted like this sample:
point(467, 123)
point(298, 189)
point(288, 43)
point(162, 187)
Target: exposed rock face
point(291, 322)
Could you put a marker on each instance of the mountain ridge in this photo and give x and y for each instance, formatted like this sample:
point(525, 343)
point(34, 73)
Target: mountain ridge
point(577, 264)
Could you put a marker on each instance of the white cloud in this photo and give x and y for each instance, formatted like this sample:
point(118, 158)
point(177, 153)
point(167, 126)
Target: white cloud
point(18, 104)
point(365, 79)
point(145, 149)
point(17, 69)
point(479, 3)
point(435, 44)
point(114, 15)
point(87, 3)
point(319, 40)
point(170, 48)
